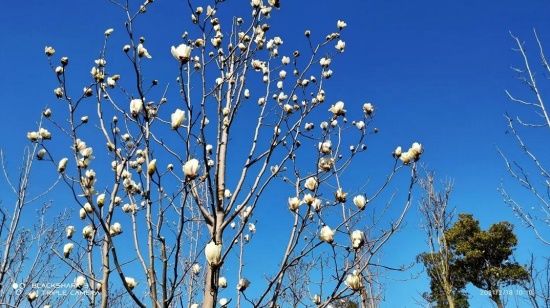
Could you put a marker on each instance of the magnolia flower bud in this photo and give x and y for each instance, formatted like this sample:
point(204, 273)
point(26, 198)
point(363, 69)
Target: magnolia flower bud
point(311, 183)
point(109, 31)
point(243, 284)
point(285, 60)
point(397, 152)
point(360, 125)
point(67, 249)
point(357, 239)
point(152, 167)
point(79, 282)
point(82, 214)
point(353, 281)
point(338, 109)
point(213, 253)
point(31, 296)
point(40, 154)
point(196, 268)
point(252, 228)
point(293, 203)
point(326, 234)
point(69, 231)
point(142, 52)
point(182, 53)
point(222, 282)
point(360, 201)
point(340, 46)
point(223, 302)
point(191, 168)
point(126, 48)
point(130, 282)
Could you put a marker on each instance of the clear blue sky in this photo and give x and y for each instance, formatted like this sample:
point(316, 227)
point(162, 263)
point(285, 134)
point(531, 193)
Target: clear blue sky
point(436, 70)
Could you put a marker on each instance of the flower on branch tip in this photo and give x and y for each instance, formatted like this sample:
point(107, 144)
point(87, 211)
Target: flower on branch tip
point(100, 200)
point(88, 232)
point(136, 106)
point(196, 268)
point(115, 229)
point(31, 296)
point(341, 24)
point(243, 284)
point(326, 234)
point(177, 118)
point(325, 147)
point(79, 282)
point(69, 231)
point(182, 53)
point(368, 108)
point(293, 203)
point(142, 52)
point(340, 195)
point(109, 31)
point(340, 46)
point(67, 249)
point(213, 253)
point(222, 282)
point(360, 201)
point(62, 165)
point(191, 168)
point(338, 109)
point(357, 239)
point(130, 282)
point(152, 167)
point(353, 281)
point(311, 183)
point(49, 51)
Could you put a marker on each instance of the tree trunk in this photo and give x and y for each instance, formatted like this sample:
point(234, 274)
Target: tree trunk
point(495, 296)
point(210, 288)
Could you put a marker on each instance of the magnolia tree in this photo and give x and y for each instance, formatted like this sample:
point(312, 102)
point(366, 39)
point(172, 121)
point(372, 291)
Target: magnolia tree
point(528, 125)
point(170, 192)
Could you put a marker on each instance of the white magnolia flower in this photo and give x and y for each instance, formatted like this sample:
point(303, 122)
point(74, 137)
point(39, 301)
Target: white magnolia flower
point(181, 53)
point(309, 199)
point(357, 239)
point(243, 284)
point(325, 62)
point(49, 51)
point(223, 302)
point(353, 281)
point(326, 234)
point(340, 46)
point(227, 193)
point(416, 148)
point(311, 183)
point(194, 305)
point(142, 52)
point(341, 24)
point(88, 232)
point(293, 203)
point(109, 31)
point(325, 147)
point(130, 282)
point(79, 282)
point(100, 200)
point(222, 282)
point(177, 118)
point(213, 253)
point(340, 195)
point(196, 268)
point(31, 296)
point(252, 228)
point(317, 204)
point(360, 125)
point(191, 168)
point(338, 109)
point(136, 106)
point(285, 60)
point(69, 231)
point(88, 208)
point(82, 214)
point(67, 249)
point(316, 299)
point(360, 201)
point(115, 229)
point(368, 108)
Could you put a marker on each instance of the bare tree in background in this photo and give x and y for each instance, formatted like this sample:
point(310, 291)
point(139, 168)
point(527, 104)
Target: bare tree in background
point(527, 127)
point(181, 181)
point(446, 284)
